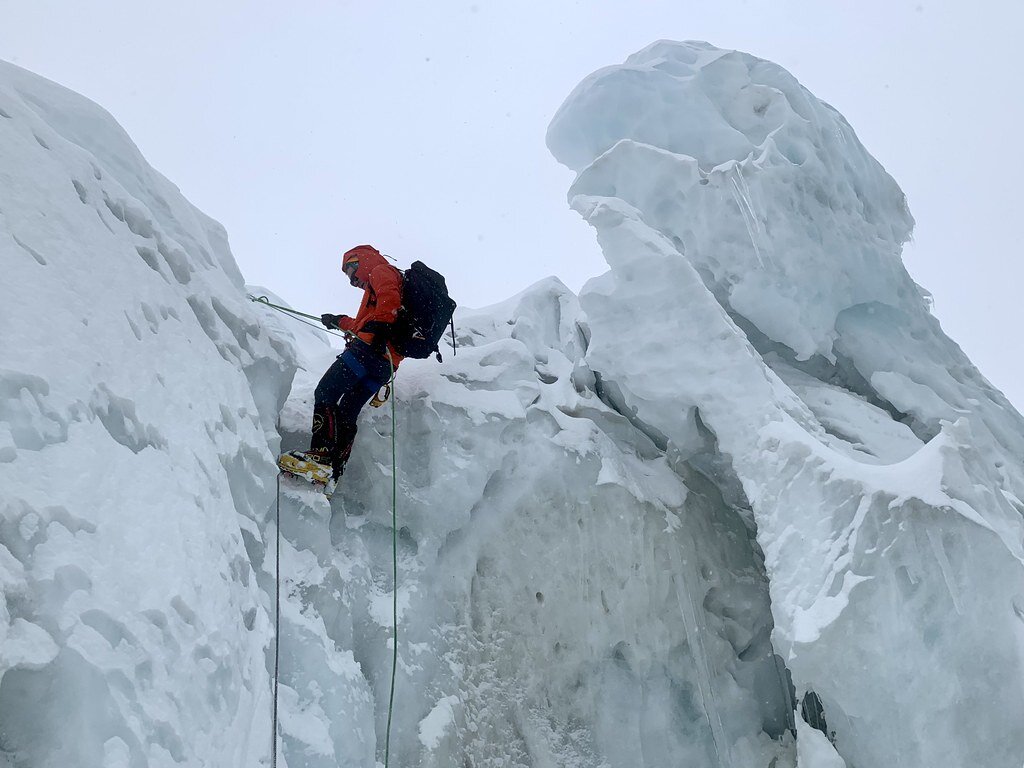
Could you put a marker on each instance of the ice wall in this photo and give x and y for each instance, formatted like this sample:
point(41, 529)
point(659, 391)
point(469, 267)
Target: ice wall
point(756, 291)
point(138, 398)
point(569, 595)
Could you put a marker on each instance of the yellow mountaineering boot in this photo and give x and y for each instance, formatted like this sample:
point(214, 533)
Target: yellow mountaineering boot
point(311, 466)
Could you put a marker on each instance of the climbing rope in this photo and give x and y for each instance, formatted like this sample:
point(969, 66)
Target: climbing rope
point(394, 577)
point(394, 537)
point(394, 569)
point(277, 615)
point(297, 315)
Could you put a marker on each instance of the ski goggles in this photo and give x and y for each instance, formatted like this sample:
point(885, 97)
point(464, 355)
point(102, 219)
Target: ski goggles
point(350, 270)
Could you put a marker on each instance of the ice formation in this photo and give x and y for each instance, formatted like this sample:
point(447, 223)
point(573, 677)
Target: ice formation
point(756, 302)
point(740, 503)
point(138, 400)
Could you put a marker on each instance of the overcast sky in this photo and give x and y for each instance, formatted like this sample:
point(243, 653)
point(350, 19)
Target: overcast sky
point(419, 127)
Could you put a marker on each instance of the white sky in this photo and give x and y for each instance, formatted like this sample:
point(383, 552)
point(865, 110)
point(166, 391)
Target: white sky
point(419, 127)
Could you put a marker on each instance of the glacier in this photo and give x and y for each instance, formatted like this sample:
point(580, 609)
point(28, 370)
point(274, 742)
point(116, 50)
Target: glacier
point(138, 407)
point(740, 502)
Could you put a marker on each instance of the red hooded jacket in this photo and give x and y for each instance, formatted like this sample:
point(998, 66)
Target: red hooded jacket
point(382, 297)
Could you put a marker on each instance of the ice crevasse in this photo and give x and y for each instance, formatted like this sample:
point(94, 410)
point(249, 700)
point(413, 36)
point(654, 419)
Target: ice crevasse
point(739, 503)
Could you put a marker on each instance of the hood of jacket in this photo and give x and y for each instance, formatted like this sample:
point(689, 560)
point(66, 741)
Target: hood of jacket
point(369, 259)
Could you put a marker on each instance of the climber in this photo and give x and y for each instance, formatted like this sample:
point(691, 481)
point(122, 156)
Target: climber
point(367, 364)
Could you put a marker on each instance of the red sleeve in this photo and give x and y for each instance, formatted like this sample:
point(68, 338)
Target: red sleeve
point(386, 282)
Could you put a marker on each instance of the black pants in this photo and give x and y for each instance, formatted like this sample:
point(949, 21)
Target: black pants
point(343, 390)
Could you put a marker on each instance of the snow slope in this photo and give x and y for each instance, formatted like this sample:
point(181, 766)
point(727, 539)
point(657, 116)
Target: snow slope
point(740, 503)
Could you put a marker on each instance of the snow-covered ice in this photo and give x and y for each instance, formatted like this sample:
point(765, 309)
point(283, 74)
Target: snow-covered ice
point(756, 283)
point(739, 503)
point(138, 398)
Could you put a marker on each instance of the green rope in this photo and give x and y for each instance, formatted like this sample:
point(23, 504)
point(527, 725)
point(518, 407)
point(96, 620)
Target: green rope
point(277, 615)
point(394, 562)
point(297, 316)
point(394, 525)
point(278, 307)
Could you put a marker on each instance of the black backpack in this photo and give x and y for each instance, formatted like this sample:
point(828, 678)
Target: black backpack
point(425, 313)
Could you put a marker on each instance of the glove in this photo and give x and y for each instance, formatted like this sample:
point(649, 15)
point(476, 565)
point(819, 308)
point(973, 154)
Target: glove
point(330, 321)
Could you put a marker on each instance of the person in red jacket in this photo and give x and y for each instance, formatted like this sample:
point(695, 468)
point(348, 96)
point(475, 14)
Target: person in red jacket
point(367, 364)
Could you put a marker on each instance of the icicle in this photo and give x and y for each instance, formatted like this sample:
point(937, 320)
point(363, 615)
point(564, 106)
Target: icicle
point(741, 194)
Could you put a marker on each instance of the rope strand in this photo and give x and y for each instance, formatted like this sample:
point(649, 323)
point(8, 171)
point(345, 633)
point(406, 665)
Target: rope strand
point(394, 569)
point(296, 315)
point(394, 561)
point(277, 616)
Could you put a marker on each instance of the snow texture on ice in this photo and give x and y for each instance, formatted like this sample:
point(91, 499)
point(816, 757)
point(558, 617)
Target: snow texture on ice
point(138, 399)
point(740, 503)
point(560, 603)
point(755, 279)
